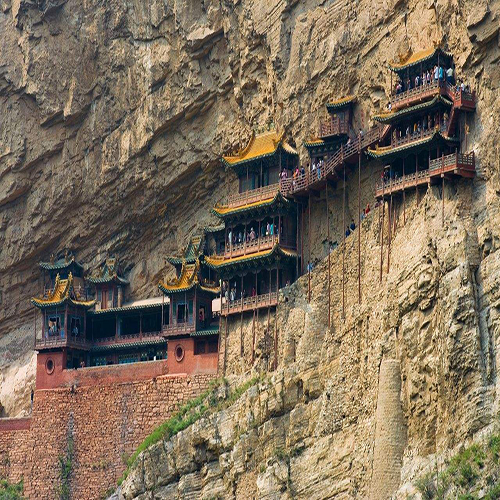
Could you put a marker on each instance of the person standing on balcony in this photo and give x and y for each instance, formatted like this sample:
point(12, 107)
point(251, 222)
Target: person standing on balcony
point(268, 229)
point(254, 292)
point(449, 75)
point(252, 234)
point(302, 171)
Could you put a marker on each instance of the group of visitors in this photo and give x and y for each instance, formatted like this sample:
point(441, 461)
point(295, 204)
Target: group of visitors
point(426, 78)
point(234, 238)
point(426, 123)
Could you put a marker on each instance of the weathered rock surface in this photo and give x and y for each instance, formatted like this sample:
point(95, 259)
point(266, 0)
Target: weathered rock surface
point(113, 119)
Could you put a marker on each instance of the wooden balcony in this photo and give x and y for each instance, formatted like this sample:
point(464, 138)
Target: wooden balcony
point(257, 245)
point(86, 344)
point(123, 340)
point(249, 303)
point(459, 164)
point(175, 329)
point(252, 196)
point(332, 127)
point(416, 95)
point(58, 341)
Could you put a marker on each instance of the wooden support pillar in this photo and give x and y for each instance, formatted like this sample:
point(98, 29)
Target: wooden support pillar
point(442, 177)
point(382, 236)
point(416, 176)
point(328, 250)
point(116, 326)
point(225, 343)
point(389, 234)
point(297, 245)
point(309, 249)
point(242, 349)
point(343, 245)
point(276, 321)
point(140, 325)
point(267, 334)
point(359, 222)
point(404, 194)
point(301, 239)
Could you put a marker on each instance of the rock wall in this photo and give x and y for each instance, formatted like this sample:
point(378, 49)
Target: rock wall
point(14, 448)
point(92, 428)
point(358, 409)
point(115, 149)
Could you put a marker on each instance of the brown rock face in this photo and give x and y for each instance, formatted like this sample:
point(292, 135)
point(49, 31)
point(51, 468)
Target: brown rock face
point(113, 116)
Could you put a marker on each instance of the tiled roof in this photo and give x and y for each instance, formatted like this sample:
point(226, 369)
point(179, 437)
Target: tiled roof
point(108, 274)
point(417, 58)
point(133, 306)
point(223, 210)
point(61, 263)
point(313, 143)
point(62, 293)
point(204, 333)
point(217, 263)
point(187, 279)
point(389, 117)
point(260, 146)
point(190, 253)
point(128, 345)
point(340, 103)
point(385, 152)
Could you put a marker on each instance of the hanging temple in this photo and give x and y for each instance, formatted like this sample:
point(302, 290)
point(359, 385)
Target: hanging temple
point(240, 265)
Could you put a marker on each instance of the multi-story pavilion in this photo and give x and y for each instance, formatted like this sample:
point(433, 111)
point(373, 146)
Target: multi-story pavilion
point(192, 331)
point(425, 140)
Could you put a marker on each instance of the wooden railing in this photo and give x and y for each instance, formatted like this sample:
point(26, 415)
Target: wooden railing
point(421, 92)
point(438, 166)
point(249, 303)
point(459, 97)
point(178, 329)
point(346, 152)
point(59, 341)
point(333, 126)
point(126, 339)
point(453, 161)
point(256, 245)
point(252, 196)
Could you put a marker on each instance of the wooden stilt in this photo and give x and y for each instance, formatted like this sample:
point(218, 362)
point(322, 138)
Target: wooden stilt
point(225, 344)
point(389, 226)
point(382, 237)
point(404, 194)
point(268, 333)
point(343, 246)
point(242, 349)
point(416, 179)
point(359, 223)
point(328, 250)
point(276, 321)
point(309, 249)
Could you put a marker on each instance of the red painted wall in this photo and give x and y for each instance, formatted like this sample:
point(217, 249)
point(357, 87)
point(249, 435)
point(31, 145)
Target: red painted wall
point(97, 375)
point(190, 363)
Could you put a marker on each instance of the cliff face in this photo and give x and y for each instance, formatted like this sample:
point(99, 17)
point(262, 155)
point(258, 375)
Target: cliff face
point(114, 115)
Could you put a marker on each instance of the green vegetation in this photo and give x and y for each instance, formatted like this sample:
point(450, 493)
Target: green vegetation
point(66, 467)
point(10, 491)
point(189, 413)
point(475, 469)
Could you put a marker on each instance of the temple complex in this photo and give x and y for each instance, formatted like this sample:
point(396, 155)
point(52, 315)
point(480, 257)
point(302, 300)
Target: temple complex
point(257, 252)
point(427, 117)
point(192, 329)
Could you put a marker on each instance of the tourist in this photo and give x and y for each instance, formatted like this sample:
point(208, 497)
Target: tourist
point(441, 73)
point(268, 229)
point(252, 234)
point(352, 226)
point(449, 75)
point(319, 169)
point(309, 267)
point(428, 77)
point(313, 169)
point(271, 228)
point(417, 81)
point(254, 292)
point(240, 237)
point(347, 232)
point(435, 72)
point(302, 171)
point(363, 215)
point(367, 209)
